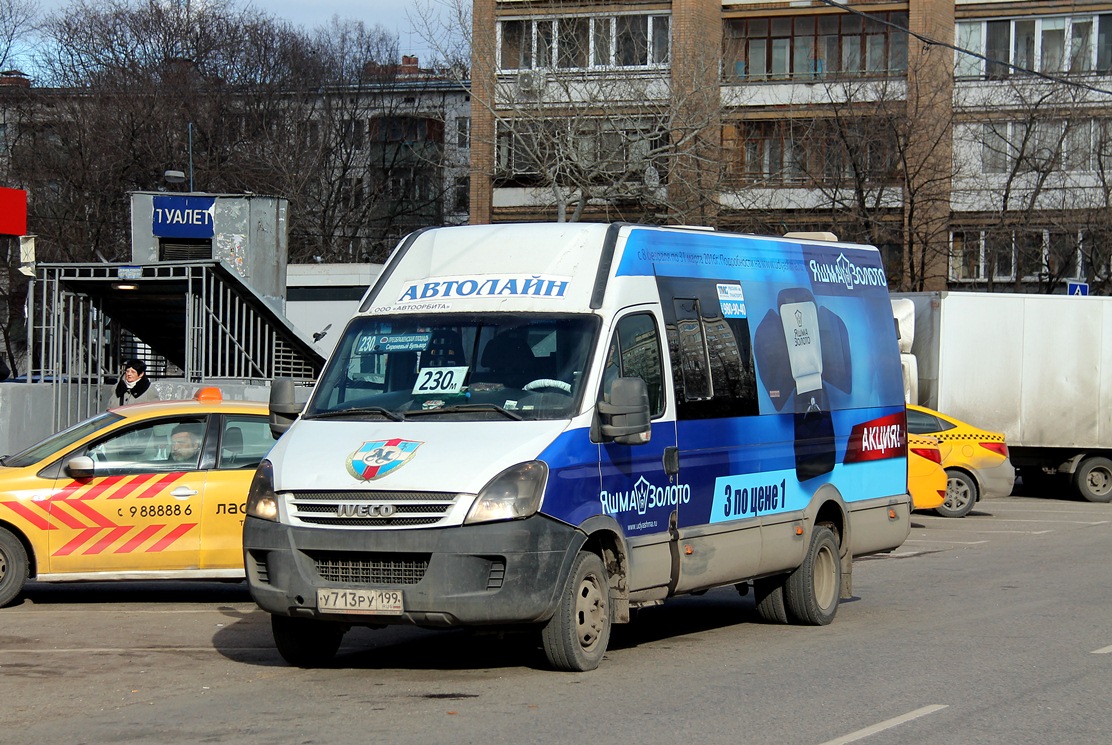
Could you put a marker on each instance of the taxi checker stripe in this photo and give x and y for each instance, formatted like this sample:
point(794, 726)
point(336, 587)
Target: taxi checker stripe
point(29, 515)
point(107, 540)
point(170, 537)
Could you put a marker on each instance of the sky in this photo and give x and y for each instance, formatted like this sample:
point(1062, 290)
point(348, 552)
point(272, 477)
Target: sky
point(393, 15)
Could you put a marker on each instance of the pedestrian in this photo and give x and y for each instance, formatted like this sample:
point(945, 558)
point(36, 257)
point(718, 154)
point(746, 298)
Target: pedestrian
point(133, 382)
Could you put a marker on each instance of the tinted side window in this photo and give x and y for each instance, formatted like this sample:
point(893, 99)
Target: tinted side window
point(244, 441)
point(921, 423)
point(161, 445)
point(712, 355)
point(634, 352)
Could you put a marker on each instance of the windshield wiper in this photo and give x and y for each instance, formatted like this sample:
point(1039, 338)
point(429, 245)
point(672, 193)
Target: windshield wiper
point(358, 411)
point(465, 408)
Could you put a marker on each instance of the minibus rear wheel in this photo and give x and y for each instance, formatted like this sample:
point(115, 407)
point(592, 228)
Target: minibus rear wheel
point(768, 594)
point(576, 636)
point(812, 591)
point(306, 642)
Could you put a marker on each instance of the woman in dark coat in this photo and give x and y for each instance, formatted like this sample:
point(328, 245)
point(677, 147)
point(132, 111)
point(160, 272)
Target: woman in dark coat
point(133, 382)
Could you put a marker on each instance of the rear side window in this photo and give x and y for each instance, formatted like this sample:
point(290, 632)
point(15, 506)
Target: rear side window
point(709, 342)
point(244, 441)
point(922, 423)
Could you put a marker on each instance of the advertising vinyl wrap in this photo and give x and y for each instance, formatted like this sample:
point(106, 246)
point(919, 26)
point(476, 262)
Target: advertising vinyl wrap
point(827, 415)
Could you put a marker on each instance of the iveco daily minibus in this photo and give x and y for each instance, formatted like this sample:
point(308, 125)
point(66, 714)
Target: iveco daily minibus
point(550, 425)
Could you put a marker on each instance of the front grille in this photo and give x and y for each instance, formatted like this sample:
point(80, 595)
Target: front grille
point(374, 509)
point(371, 569)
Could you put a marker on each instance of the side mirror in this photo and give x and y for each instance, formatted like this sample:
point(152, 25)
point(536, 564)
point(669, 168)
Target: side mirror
point(81, 467)
point(284, 408)
point(625, 418)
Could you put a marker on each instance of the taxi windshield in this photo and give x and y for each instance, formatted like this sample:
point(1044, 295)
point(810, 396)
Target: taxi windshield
point(495, 366)
point(60, 441)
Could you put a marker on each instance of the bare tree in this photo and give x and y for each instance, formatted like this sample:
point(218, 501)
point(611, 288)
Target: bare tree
point(242, 101)
point(1034, 177)
point(17, 21)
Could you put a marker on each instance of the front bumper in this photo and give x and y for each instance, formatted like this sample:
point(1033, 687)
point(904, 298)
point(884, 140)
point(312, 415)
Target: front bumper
point(491, 574)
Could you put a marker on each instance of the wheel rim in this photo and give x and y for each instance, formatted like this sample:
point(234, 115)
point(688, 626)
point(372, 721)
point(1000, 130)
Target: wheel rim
point(1099, 481)
point(826, 572)
point(957, 493)
point(590, 612)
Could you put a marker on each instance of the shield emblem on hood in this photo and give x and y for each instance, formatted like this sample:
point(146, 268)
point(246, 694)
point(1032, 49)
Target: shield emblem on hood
point(375, 459)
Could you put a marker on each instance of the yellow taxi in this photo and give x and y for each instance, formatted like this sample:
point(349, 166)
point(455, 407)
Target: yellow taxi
point(145, 491)
point(976, 460)
point(926, 479)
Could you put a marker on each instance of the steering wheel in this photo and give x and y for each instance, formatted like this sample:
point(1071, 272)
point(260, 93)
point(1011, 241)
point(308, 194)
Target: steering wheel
point(542, 383)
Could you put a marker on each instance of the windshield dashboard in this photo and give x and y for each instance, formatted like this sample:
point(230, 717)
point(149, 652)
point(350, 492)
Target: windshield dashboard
point(496, 366)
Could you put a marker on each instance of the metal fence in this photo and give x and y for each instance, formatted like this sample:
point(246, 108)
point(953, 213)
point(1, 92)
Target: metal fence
point(193, 320)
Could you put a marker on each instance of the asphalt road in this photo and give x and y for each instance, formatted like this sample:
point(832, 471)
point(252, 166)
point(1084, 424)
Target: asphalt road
point(994, 628)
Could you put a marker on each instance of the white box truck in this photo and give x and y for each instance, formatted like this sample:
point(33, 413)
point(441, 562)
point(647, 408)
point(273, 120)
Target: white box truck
point(1035, 367)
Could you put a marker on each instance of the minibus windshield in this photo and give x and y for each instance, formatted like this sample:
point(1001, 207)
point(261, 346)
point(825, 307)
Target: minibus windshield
point(495, 366)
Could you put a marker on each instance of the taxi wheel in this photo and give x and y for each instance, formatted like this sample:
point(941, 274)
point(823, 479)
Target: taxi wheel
point(13, 567)
point(576, 636)
point(306, 642)
point(961, 495)
point(812, 591)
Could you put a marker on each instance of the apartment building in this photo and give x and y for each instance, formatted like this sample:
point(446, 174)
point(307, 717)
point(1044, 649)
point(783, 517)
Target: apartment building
point(969, 140)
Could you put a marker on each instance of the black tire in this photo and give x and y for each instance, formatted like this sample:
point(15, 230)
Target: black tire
point(812, 591)
point(13, 567)
point(768, 593)
point(576, 636)
point(306, 642)
point(1093, 479)
point(961, 495)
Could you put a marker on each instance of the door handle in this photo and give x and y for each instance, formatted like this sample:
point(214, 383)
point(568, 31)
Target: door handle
point(183, 492)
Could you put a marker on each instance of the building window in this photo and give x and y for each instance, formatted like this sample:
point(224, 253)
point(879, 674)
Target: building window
point(628, 40)
point(461, 196)
point(1026, 254)
point(463, 132)
point(809, 47)
point(814, 152)
point(1024, 46)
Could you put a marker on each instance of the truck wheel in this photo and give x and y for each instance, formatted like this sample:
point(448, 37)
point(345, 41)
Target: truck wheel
point(812, 591)
point(306, 642)
point(576, 636)
point(1093, 479)
point(13, 567)
point(768, 592)
point(961, 495)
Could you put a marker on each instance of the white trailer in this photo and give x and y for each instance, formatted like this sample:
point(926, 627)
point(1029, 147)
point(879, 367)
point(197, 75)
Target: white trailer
point(1036, 367)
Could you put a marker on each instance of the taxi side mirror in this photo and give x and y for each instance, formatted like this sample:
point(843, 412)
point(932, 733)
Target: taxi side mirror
point(81, 467)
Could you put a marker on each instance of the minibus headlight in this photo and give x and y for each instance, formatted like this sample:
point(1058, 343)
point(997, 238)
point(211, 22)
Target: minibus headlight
point(512, 494)
point(261, 499)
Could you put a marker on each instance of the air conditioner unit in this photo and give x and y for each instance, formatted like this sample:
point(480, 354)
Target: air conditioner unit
point(530, 81)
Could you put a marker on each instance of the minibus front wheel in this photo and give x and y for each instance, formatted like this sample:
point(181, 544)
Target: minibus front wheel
point(576, 636)
point(306, 642)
